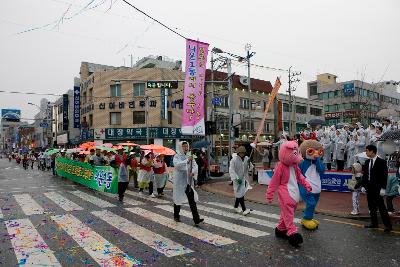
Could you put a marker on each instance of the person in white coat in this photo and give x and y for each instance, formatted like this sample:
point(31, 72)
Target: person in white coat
point(338, 155)
point(327, 146)
point(239, 168)
point(183, 189)
point(360, 142)
point(350, 149)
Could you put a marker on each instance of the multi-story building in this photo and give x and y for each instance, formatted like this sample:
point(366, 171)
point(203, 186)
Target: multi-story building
point(354, 100)
point(304, 110)
point(42, 125)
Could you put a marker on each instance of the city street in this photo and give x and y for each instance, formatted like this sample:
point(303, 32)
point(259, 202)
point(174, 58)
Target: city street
point(50, 221)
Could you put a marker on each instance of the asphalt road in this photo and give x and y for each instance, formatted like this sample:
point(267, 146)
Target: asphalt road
point(51, 221)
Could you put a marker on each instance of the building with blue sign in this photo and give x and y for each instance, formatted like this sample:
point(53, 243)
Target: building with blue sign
point(354, 100)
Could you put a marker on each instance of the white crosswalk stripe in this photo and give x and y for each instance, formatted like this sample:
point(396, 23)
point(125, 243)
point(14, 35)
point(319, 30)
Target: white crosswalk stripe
point(155, 200)
point(219, 223)
point(237, 216)
point(29, 246)
point(61, 201)
point(200, 234)
point(92, 199)
point(1, 214)
point(102, 251)
point(255, 212)
point(127, 201)
point(163, 245)
point(28, 204)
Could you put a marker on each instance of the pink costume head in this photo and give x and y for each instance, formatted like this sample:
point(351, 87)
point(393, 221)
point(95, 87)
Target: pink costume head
point(289, 153)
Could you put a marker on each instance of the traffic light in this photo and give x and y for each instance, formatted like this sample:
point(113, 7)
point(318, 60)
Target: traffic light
point(236, 132)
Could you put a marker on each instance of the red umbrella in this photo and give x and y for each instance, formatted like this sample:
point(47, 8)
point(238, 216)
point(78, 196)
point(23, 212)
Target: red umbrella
point(128, 144)
point(158, 149)
point(109, 145)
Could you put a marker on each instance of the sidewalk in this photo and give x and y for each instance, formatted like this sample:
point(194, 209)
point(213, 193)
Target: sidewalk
point(331, 203)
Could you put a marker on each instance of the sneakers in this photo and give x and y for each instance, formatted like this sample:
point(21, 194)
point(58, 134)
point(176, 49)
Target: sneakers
point(355, 212)
point(153, 195)
point(238, 210)
point(197, 223)
point(247, 211)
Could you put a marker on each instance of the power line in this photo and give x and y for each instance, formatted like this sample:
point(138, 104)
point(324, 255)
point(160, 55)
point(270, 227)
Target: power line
point(159, 22)
point(28, 93)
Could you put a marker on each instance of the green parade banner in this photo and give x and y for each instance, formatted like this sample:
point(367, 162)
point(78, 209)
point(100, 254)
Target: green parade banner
point(100, 178)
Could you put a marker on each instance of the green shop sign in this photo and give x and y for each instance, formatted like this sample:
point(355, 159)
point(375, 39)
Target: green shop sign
point(140, 133)
point(100, 178)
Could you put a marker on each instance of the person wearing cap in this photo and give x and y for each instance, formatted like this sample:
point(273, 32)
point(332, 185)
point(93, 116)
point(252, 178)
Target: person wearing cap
point(121, 162)
point(146, 173)
point(239, 168)
point(97, 159)
point(360, 141)
point(160, 175)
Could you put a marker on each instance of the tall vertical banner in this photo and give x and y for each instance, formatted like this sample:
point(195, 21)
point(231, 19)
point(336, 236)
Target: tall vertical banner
point(274, 92)
point(77, 107)
point(65, 122)
point(193, 96)
point(280, 115)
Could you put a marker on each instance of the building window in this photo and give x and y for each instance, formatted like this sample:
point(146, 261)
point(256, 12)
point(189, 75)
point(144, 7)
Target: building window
point(313, 89)
point(169, 117)
point(315, 111)
point(222, 123)
point(247, 125)
point(90, 120)
point(244, 103)
point(139, 117)
point(301, 109)
point(138, 89)
point(84, 98)
point(115, 118)
point(326, 108)
point(331, 94)
point(224, 101)
point(90, 94)
point(115, 90)
point(286, 107)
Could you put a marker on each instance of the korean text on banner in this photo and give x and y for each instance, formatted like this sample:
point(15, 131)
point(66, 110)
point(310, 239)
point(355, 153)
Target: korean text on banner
point(274, 92)
point(193, 96)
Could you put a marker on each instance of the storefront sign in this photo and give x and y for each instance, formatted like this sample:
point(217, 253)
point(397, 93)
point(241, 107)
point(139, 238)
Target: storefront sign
point(65, 122)
point(333, 115)
point(77, 107)
point(62, 139)
point(348, 89)
point(350, 114)
point(162, 84)
point(140, 133)
point(193, 95)
point(86, 135)
point(100, 178)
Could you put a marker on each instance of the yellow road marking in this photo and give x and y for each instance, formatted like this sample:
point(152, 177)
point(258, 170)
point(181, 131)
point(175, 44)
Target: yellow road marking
point(357, 225)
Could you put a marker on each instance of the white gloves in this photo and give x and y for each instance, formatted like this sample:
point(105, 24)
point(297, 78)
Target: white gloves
point(382, 192)
point(363, 190)
point(253, 145)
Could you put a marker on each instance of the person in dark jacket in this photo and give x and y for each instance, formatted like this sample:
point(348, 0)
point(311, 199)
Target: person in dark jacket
point(374, 181)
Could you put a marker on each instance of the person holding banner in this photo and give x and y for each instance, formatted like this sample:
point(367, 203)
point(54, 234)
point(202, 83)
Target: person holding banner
point(183, 189)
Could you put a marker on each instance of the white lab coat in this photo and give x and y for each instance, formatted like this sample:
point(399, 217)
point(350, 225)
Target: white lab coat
point(340, 146)
point(181, 179)
point(350, 148)
point(327, 146)
point(239, 170)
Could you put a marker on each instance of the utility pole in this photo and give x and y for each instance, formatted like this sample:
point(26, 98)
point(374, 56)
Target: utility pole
point(230, 144)
point(290, 90)
point(147, 119)
point(248, 56)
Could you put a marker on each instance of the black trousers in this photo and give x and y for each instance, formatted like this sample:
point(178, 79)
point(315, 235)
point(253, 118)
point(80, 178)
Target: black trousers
point(389, 203)
point(241, 202)
point(193, 207)
point(375, 202)
point(329, 166)
point(340, 165)
point(122, 186)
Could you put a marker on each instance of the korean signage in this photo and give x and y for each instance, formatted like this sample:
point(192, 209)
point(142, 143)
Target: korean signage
point(348, 89)
point(86, 134)
point(162, 84)
point(140, 133)
point(100, 178)
point(65, 112)
point(193, 95)
point(333, 115)
point(77, 107)
point(164, 113)
point(11, 114)
point(350, 114)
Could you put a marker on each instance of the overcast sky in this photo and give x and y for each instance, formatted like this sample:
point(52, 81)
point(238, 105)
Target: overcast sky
point(354, 39)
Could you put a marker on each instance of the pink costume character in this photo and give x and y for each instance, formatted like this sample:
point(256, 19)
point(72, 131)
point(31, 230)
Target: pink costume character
point(286, 178)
